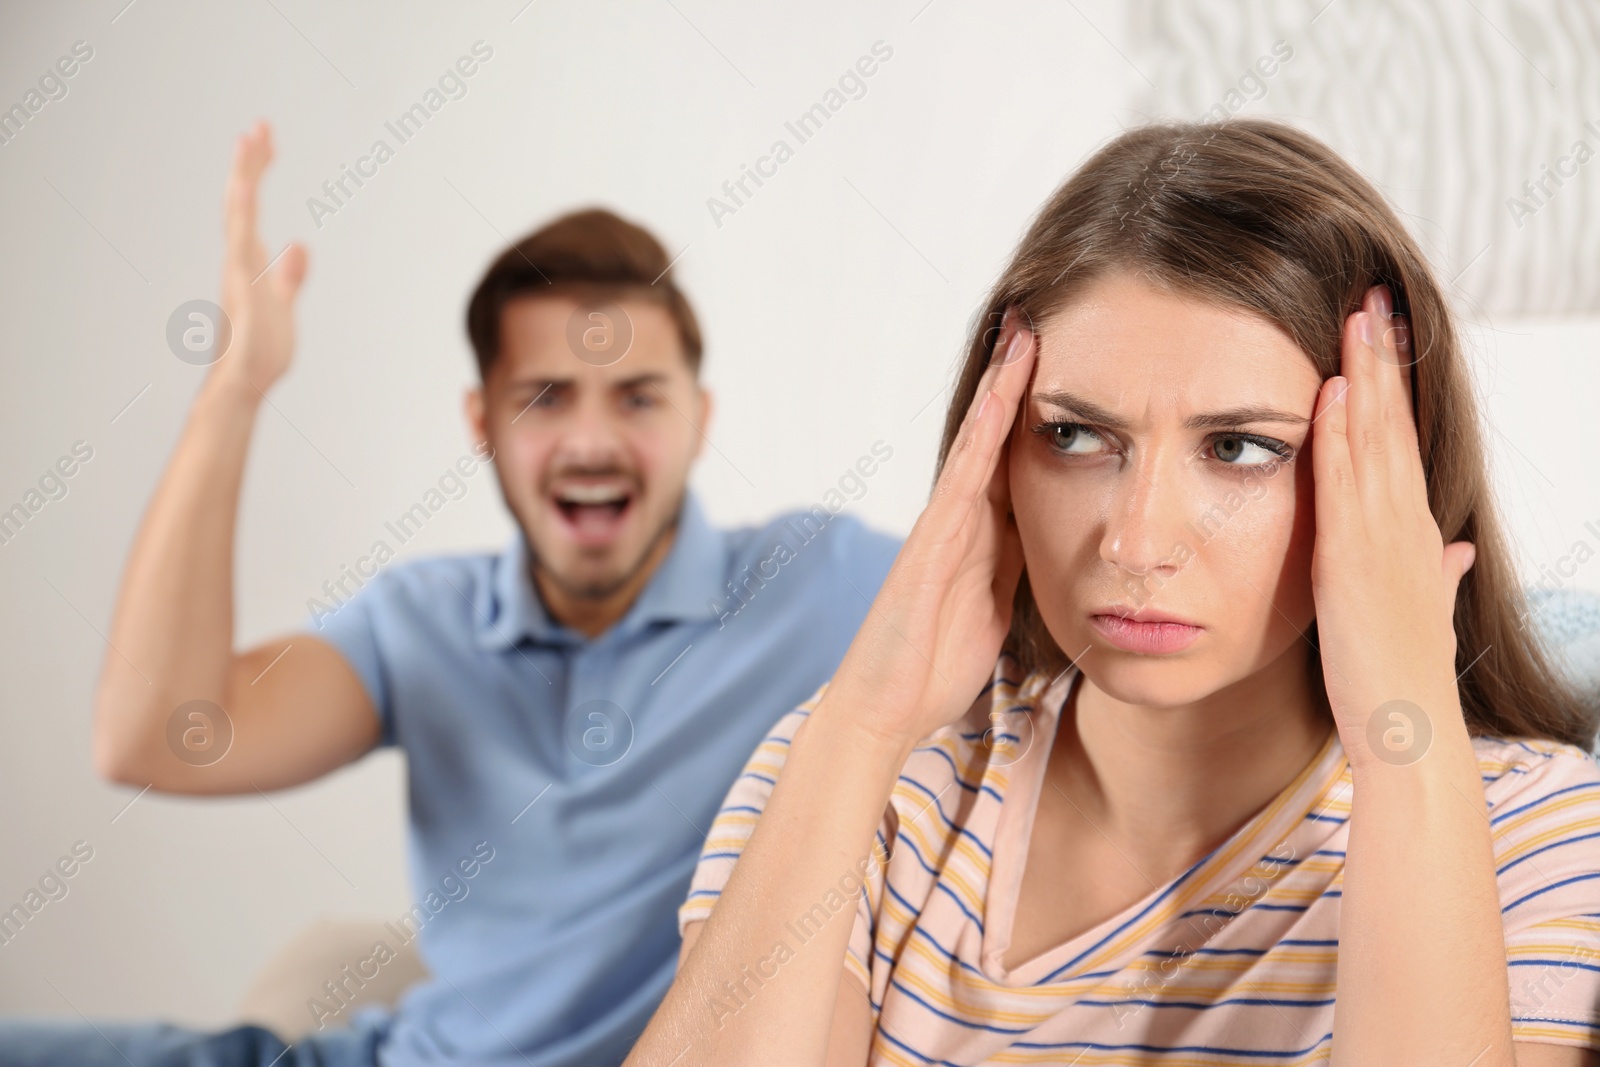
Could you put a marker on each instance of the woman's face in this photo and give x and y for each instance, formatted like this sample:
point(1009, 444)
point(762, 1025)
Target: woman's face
point(1160, 466)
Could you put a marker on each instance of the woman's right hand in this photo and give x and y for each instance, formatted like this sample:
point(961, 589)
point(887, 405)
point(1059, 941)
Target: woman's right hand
point(935, 630)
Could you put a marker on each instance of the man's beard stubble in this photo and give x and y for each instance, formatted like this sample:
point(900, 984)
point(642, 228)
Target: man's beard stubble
point(602, 590)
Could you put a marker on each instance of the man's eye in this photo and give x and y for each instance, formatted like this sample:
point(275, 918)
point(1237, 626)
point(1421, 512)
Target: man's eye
point(543, 400)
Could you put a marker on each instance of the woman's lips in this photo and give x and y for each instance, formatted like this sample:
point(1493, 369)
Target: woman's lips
point(1152, 638)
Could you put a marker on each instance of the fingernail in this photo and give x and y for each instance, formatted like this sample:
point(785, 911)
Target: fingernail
point(1008, 331)
point(1366, 328)
point(1340, 390)
point(1383, 302)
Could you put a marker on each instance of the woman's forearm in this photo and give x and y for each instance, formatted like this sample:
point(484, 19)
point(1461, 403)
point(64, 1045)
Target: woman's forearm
point(761, 983)
point(1422, 963)
point(920, 658)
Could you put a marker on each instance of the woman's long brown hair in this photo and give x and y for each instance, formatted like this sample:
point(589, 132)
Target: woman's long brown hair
point(1258, 215)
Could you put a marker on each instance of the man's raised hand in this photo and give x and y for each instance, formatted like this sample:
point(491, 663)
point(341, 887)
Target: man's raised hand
point(258, 292)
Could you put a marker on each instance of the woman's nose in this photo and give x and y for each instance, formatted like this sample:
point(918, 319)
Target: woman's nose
point(1146, 518)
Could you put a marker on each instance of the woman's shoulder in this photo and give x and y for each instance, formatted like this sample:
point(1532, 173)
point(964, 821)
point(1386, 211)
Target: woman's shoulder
point(1526, 766)
point(1538, 790)
point(997, 730)
point(781, 735)
point(1543, 800)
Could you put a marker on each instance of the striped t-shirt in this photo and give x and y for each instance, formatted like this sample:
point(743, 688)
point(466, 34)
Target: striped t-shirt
point(1232, 962)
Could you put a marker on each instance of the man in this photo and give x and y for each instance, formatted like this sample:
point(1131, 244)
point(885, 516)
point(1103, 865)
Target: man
point(573, 709)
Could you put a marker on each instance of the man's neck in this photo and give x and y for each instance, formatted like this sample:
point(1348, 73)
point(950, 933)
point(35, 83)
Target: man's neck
point(593, 615)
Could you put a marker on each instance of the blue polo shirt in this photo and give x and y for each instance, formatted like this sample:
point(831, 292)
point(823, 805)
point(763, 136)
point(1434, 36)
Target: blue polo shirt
point(560, 787)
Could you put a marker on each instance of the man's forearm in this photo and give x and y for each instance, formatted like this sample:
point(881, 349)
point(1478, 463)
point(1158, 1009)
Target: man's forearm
point(171, 635)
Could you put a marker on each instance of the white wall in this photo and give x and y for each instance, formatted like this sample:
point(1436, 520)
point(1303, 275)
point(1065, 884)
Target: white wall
point(834, 303)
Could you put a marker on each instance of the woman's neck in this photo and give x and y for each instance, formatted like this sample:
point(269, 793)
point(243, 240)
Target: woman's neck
point(1168, 784)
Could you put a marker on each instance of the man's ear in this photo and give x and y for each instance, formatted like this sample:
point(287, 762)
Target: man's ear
point(472, 406)
point(705, 421)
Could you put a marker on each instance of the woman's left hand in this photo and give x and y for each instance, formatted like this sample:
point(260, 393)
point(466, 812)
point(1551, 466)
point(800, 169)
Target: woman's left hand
point(1384, 582)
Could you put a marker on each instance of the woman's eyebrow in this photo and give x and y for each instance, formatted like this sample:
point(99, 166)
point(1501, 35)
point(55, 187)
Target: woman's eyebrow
point(1095, 414)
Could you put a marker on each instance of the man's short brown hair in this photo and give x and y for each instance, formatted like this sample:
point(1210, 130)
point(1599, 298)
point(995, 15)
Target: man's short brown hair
point(593, 254)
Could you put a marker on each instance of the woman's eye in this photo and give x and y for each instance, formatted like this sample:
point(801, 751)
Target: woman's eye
point(1230, 448)
point(1066, 436)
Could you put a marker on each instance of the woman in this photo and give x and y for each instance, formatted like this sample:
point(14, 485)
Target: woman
point(1254, 722)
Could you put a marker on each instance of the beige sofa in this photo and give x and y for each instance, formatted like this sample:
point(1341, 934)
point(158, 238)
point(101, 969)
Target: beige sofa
point(281, 996)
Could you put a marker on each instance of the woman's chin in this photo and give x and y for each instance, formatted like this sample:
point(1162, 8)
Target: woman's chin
point(1149, 681)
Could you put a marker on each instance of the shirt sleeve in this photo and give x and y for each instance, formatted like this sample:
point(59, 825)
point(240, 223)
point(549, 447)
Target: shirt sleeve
point(736, 821)
point(351, 628)
point(1546, 830)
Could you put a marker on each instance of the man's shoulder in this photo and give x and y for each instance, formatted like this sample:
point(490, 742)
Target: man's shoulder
point(425, 575)
point(815, 537)
point(427, 586)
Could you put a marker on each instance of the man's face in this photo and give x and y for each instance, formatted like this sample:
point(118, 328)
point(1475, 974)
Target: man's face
point(592, 459)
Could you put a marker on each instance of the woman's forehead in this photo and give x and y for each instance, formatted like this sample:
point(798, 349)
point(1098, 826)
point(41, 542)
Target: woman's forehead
point(1125, 337)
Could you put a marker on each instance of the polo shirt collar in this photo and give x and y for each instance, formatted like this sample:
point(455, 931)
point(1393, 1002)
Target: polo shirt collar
point(685, 586)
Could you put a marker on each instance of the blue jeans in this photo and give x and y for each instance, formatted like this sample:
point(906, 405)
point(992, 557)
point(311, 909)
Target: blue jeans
point(41, 1043)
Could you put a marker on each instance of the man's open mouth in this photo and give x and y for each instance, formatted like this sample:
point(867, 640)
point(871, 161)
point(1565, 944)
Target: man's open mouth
point(593, 513)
